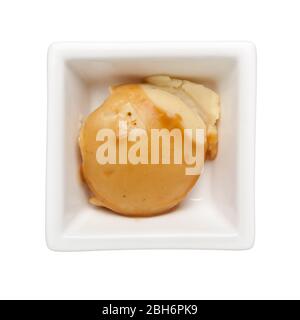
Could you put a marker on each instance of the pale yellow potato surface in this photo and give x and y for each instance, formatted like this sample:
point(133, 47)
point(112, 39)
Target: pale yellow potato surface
point(201, 99)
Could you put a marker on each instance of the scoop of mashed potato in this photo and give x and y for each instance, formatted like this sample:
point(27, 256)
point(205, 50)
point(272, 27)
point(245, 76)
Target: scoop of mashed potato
point(144, 189)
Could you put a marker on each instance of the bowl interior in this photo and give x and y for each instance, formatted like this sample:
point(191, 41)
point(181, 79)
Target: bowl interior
point(211, 207)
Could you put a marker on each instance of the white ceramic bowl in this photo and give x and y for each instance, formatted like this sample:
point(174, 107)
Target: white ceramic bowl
point(218, 213)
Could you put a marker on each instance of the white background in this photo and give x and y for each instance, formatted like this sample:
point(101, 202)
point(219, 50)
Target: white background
point(29, 270)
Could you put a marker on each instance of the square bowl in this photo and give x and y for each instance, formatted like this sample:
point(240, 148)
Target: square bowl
point(218, 213)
